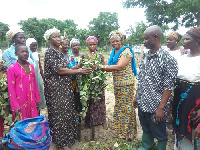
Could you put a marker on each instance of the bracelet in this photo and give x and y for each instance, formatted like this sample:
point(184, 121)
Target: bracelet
point(198, 127)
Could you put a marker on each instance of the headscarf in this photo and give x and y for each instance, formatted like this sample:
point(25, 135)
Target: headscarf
point(174, 35)
point(74, 41)
point(29, 41)
point(91, 37)
point(116, 33)
point(194, 33)
point(12, 32)
point(48, 33)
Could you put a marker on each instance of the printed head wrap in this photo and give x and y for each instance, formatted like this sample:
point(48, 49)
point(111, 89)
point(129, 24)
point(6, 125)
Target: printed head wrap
point(12, 32)
point(91, 37)
point(174, 35)
point(49, 32)
point(116, 33)
point(194, 33)
point(74, 41)
point(29, 41)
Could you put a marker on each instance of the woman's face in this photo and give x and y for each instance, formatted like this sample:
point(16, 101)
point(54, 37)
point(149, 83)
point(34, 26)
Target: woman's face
point(65, 46)
point(92, 45)
point(171, 41)
point(19, 38)
point(55, 39)
point(116, 43)
point(33, 46)
point(75, 47)
point(189, 42)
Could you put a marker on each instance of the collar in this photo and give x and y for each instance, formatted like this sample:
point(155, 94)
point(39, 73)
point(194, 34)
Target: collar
point(157, 54)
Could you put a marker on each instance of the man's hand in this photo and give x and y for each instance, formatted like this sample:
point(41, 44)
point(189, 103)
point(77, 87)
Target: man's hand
point(159, 114)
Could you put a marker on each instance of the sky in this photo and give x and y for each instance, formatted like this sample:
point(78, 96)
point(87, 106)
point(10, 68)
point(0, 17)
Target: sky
point(81, 11)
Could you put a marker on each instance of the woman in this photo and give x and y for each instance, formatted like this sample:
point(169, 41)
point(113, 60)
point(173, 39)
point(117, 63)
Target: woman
point(18, 37)
point(186, 100)
point(174, 49)
point(31, 43)
point(95, 109)
point(123, 66)
point(58, 92)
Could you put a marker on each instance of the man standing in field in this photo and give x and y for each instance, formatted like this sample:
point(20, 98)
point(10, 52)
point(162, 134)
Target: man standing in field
point(157, 73)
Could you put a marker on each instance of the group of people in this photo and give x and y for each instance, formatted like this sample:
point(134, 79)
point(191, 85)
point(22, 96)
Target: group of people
point(161, 71)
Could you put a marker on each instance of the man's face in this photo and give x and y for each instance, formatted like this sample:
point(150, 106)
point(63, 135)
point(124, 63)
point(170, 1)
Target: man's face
point(148, 40)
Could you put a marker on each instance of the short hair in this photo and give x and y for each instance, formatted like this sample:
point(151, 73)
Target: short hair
point(18, 46)
point(194, 33)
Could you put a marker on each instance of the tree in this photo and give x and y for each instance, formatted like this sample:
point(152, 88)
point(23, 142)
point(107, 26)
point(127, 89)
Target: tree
point(36, 28)
point(103, 25)
point(181, 12)
point(82, 35)
point(136, 34)
point(3, 29)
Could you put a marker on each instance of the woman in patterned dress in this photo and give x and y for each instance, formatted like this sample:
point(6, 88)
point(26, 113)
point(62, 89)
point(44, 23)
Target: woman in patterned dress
point(123, 66)
point(96, 109)
point(58, 92)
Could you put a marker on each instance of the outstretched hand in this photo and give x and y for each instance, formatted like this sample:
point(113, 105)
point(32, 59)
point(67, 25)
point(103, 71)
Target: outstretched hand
point(86, 71)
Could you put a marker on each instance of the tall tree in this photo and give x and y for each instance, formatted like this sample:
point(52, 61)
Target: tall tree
point(82, 35)
point(181, 12)
point(103, 25)
point(3, 29)
point(136, 34)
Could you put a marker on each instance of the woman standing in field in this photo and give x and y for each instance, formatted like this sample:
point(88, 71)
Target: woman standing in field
point(186, 100)
point(95, 109)
point(18, 37)
point(31, 43)
point(173, 38)
point(58, 92)
point(123, 66)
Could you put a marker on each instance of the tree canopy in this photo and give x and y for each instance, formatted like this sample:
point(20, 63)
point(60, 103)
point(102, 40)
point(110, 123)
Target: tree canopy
point(103, 25)
point(180, 12)
point(3, 29)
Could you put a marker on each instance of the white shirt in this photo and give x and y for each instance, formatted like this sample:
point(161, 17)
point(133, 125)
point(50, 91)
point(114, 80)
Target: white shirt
point(189, 68)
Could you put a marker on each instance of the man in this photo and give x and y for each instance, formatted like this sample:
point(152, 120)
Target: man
point(158, 70)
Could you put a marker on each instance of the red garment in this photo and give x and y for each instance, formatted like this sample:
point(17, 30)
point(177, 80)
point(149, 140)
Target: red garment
point(1, 126)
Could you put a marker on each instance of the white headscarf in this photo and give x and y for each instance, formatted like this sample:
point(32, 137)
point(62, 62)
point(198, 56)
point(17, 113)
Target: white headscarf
point(29, 41)
point(48, 33)
point(74, 41)
point(11, 33)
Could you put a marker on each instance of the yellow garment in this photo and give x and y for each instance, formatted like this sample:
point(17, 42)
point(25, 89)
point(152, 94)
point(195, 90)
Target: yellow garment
point(125, 76)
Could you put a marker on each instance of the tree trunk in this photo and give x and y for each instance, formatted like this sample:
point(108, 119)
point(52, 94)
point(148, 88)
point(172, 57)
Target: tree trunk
point(198, 19)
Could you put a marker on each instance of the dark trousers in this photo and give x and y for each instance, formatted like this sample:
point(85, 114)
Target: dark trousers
point(158, 131)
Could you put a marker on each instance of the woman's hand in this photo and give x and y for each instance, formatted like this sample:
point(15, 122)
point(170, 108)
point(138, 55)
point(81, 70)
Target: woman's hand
point(85, 71)
point(18, 113)
point(196, 133)
point(37, 104)
point(196, 120)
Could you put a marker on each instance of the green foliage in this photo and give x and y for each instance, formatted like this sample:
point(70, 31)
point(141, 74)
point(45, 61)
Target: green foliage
point(3, 29)
point(82, 35)
point(36, 28)
point(92, 85)
point(136, 34)
point(5, 110)
point(115, 144)
point(103, 25)
point(180, 12)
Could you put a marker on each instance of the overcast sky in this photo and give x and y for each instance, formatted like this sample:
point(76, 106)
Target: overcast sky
point(81, 11)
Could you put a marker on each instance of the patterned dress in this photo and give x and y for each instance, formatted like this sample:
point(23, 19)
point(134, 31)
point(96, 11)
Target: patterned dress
point(60, 100)
point(124, 123)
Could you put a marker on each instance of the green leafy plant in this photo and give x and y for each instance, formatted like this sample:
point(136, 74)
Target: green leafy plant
point(5, 110)
point(92, 85)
